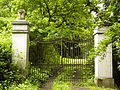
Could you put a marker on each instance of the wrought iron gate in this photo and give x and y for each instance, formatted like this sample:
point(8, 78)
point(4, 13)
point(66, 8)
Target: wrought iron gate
point(62, 59)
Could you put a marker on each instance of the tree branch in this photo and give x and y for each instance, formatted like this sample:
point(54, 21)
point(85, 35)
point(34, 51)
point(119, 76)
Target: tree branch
point(48, 10)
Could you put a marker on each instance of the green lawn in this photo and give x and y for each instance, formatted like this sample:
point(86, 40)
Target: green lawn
point(69, 86)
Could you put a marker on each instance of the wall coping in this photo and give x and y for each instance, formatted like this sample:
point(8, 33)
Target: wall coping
point(20, 31)
point(20, 22)
point(100, 30)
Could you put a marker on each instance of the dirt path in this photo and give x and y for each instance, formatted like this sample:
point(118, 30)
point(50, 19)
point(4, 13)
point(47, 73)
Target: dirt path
point(48, 86)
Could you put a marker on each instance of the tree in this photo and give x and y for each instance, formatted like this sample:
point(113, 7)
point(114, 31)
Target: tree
point(50, 19)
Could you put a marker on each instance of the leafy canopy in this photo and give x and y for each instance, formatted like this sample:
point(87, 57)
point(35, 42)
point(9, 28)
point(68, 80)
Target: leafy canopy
point(51, 19)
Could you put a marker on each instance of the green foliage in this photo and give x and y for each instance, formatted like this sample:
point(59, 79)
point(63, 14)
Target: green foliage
point(57, 85)
point(5, 41)
point(5, 51)
point(92, 86)
point(70, 73)
point(113, 34)
point(101, 88)
point(51, 49)
point(83, 73)
point(39, 70)
point(38, 75)
point(113, 6)
point(113, 39)
point(88, 82)
point(67, 74)
point(51, 19)
point(24, 86)
point(45, 52)
point(13, 76)
point(111, 15)
point(9, 74)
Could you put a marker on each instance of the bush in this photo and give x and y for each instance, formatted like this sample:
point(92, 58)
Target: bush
point(37, 75)
point(5, 55)
point(9, 73)
point(24, 86)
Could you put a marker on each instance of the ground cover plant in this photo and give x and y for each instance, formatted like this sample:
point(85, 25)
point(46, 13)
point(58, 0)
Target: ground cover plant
point(53, 19)
point(89, 84)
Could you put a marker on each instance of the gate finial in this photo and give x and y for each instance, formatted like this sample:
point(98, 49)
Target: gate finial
point(21, 14)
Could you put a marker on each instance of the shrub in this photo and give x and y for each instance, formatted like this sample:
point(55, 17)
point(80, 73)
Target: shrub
point(24, 86)
point(9, 73)
point(5, 55)
point(37, 75)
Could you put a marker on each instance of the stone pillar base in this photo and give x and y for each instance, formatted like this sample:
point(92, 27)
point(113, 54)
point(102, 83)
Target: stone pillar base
point(105, 82)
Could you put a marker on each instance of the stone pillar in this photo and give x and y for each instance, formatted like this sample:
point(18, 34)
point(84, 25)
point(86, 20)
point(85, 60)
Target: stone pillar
point(20, 48)
point(103, 67)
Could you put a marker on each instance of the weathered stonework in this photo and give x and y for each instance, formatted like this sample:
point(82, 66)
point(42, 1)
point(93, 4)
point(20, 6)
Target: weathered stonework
point(20, 48)
point(21, 14)
point(105, 82)
point(103, 66)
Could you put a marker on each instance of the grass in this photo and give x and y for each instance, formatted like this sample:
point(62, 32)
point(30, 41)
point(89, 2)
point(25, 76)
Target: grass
point(60, 85)
point(100, 88)
point(69, 72)
point(91, 85)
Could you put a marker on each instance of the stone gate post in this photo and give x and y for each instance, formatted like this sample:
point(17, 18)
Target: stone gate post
point(103, 67)
point(20, 40)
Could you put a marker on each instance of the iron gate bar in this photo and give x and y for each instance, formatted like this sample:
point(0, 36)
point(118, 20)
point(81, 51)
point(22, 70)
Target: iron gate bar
point(69, 52)
point(64, 64)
